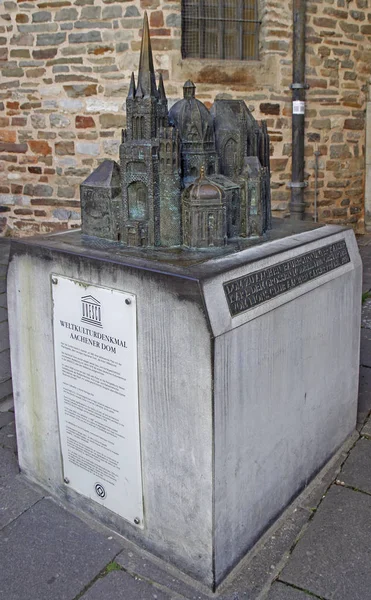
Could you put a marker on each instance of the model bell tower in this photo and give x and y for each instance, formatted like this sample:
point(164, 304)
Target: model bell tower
point(142, 156)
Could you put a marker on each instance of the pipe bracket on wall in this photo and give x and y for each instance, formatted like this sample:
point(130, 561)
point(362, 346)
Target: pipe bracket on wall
point(297, 184)
point(299, 86)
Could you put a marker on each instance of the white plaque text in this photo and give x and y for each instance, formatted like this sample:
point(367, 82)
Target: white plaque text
point(96, 372)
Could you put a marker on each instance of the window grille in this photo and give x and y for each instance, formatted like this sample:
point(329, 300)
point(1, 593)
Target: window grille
point(220, 29)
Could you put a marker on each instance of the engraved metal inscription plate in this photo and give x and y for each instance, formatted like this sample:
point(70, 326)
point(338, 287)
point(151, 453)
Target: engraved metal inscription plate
point(258, 287)
point(95, 348)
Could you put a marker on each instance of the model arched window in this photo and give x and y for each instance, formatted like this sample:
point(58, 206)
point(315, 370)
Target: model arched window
point(224, 29)
point(138, 201)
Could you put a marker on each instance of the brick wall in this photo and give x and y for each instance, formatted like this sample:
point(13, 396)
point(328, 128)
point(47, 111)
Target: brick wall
point(65, 68)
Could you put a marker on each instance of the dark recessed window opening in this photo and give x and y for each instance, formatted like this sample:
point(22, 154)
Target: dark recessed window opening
point(221, 29)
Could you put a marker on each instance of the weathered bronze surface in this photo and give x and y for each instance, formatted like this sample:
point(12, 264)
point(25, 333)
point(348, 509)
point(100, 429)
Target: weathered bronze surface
point(260, 286)
point(187, 176)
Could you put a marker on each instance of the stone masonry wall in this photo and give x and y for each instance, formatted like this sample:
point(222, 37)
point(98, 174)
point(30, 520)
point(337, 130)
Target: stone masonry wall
point(65, 68)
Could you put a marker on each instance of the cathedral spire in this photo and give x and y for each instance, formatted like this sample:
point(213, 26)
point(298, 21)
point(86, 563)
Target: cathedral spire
point(161, 88)
point(132, 89)
point(146, 74)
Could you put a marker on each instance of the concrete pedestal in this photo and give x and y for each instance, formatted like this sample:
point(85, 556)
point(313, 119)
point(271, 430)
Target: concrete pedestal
point(243, 397)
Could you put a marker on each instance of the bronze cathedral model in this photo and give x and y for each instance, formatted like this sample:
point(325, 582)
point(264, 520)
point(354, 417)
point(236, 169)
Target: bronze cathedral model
point(187, 176)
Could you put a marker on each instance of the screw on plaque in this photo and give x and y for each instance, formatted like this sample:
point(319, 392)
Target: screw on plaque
point(54, 280)
point(127, 301)
point(137, 521)
point(66, 480)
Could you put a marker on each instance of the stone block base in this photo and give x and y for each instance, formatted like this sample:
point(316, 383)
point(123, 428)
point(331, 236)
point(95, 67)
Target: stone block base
point(248, 377)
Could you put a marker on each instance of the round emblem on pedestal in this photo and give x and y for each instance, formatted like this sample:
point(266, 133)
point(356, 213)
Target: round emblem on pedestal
point(100, 491)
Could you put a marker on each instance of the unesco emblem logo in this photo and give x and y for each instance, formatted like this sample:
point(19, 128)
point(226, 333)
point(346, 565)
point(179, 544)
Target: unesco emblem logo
point(100, 491)
point(91, 311)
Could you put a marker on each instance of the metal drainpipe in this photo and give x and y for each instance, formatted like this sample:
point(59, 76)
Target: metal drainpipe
point(298, 87)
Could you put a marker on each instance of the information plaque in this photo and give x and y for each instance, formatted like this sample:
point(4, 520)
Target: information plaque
point(96, 372)
point(260, 286)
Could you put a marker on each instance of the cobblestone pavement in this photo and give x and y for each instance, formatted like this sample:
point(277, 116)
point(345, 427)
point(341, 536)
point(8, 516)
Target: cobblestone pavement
point(320, 548)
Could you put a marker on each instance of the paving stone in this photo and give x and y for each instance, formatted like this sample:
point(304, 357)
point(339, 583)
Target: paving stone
point(8, 465)
point(119, 585)
point(253, 574)
point(4, 336)
point(357, 468)
point(332, 559)
point(5, 389)
point(7, 404)
point(367, 428)
point(251, 577)
point(281, 591)
point(365, 359)
point(364, 394)
point(142, 564)
point(16, 496)
point(8, 437)
point(58, 554)
point(6, 418)
point(366, 314)
point(311, 499)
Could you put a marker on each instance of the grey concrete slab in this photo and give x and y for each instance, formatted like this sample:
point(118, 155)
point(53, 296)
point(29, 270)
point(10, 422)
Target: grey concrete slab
point(119, 585)
point(142, 564)
point(366, 314)
point(4, 336)
point(256, 572)
point(5, 390)
point(365, 358)
point(6, 418)
point(5, 367)
point(8, 464)
point(8, 437)
point(364, 394)
point(57, 554)
point(357, 469)
point(281, 591)
point(316, 490)
point(367, 428)
point(7, 404)
point(16, 496)
point(332, 559)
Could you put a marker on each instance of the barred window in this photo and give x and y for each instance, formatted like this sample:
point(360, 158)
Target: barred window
point(224, 29)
